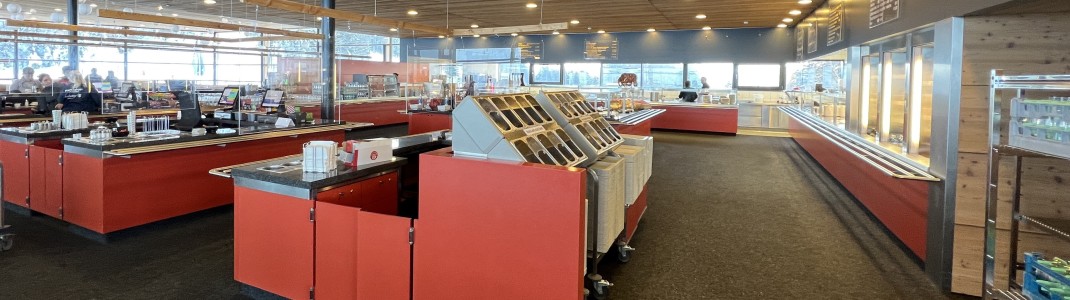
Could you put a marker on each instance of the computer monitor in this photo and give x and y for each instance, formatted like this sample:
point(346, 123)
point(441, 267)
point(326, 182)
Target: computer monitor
point(230, 96)
point(272, 99)
point(191, 111)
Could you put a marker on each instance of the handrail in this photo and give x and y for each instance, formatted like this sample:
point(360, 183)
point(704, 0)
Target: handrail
point(876, 158)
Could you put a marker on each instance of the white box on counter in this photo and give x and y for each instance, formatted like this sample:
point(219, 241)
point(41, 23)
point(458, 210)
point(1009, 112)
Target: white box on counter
point(369, 151)
point(647, 142)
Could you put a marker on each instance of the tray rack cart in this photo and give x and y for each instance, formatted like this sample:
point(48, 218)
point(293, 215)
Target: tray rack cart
point(557, 129)
point(6, 239)
point(1018, 136)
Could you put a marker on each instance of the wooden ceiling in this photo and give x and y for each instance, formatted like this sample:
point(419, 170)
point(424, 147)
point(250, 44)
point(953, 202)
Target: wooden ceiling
point(593, 15)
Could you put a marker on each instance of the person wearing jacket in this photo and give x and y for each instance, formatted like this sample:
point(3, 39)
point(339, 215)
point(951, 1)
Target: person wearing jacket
point(26, 83)
point(79, 97)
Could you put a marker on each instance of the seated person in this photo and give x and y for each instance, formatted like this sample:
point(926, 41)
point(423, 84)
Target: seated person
point(686, 95)
point(24, 84)
point(51, 91)
point(79, 97)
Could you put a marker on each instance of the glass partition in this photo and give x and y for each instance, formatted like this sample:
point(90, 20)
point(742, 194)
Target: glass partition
point(662, 76)
point(546, 73)
point(759, 76)
point(611, 72)
point(871, 91)
point(718, 76)
point(894, 100)
point(921, 101)
point(583, 74)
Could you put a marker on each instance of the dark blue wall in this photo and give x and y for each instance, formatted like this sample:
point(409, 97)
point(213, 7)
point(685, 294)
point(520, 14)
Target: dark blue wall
point(753, 45)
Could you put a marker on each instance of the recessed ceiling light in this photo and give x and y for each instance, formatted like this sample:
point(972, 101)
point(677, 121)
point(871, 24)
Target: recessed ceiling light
point(475, 26)
point(393, 29)
point(159, 15)
point(706, 28)
point(700, 16)
point(93, 5)
point(209, 1)
point(746, 22)
point(475, 35)
point(601, 31)
point(788, 20)
point(58, 9)
point(556, 32)
point(532, 5)
point(319, 18)
point(805, 1)
point(174, 15)
point(795, 12)
point(413, 12)
point(782, 25)
point(514, 34)
point(159, 7)
point(441, 36)
point(650, 29)
point(574, 22)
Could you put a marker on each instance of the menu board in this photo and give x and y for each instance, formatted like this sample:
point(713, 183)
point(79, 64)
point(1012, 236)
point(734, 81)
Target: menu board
point(800, 42)
point(835, 22)
point(882, 11)
point(601, 50)
point(811, 38)
point(530, 50)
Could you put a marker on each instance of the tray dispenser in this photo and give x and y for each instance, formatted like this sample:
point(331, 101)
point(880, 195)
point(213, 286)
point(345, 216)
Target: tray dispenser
point(512, 127)
point(594, 135)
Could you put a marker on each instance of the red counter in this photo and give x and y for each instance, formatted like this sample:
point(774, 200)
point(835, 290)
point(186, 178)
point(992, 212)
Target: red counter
point(118, 192)
point(702, 118)
point(900, 204)
point(386, 112)
point(428, 122)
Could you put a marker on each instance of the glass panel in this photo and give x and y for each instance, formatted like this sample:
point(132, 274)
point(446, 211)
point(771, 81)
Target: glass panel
point(718, 76)
point(583, 74)
point(611, 73)
point(871, 72)
point(893, 106)
point(546, 73)
point(663, 76)
point(921, 102)
point(806, 76)
point(760, 76)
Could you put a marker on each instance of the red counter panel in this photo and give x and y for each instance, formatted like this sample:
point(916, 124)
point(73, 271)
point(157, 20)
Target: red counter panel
point(273, 240)
point(704, 119)
point(900, 204)
point(16, 160)
point(379, 113)
point(509, 236)
point(428, 122)
point(643, 128)
point(383, 257)
point(634, 214)
point(336, 250)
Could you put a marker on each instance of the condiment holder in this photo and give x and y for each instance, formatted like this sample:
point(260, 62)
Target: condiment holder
point(320, 156)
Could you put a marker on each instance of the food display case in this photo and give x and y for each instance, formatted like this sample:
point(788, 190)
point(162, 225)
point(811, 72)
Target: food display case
point(383, 85)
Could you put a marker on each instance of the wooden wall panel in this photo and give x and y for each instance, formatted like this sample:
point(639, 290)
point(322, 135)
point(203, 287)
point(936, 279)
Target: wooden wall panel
point(974, 119)
point(970, 200)
point(1035, 43)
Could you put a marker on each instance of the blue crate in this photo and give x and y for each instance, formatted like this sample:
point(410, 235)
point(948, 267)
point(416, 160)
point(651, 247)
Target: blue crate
point(1035, 271)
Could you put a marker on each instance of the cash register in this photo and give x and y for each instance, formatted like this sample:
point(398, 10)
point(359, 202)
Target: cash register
point(230, 104)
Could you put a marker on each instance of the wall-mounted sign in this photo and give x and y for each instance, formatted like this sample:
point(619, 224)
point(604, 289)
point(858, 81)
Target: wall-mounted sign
point(530, 50)
point(836, 11)
point(800, 42)
point(882, 11)
point(601, 50)
point(811, 38)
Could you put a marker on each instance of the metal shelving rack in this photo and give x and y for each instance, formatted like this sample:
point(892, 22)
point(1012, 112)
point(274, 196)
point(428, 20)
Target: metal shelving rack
point(1007, 144)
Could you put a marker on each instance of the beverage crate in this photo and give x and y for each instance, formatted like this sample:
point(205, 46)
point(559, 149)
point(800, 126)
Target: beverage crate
point(1043, 281)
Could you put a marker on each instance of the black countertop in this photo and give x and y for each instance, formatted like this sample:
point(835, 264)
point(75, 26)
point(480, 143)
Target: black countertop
point(16, 132)
point(295, 177)
point(123, 143)
point(423, 111)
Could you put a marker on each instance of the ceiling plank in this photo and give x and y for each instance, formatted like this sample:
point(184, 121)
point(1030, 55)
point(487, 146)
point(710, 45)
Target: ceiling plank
point(129, 16)
point(512, 29)
point(345, 15)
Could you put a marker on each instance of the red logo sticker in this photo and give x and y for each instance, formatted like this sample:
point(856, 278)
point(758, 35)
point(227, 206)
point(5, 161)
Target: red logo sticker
point(375, 155)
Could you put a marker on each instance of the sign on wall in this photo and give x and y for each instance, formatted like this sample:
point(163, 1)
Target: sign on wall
point(882, 11)
point(836, 11)
point(800, 42)
point(530, 50)
point(811, 38)
point(601, 50)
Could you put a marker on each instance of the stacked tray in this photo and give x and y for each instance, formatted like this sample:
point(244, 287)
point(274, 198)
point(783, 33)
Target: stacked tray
point(512, 127)
point(594, 135)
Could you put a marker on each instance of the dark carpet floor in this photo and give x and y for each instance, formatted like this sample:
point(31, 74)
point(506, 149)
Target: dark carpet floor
point(741, 217)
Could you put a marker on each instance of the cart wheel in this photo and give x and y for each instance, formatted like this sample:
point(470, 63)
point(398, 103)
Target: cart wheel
point(597, 287)
point(624, 253)
point(599, 293)
point(6, 242)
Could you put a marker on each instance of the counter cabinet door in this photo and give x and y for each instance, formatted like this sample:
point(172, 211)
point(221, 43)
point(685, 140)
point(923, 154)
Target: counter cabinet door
point(380, 194)
point(16, 160)
point(274, 242)
point(346, 195)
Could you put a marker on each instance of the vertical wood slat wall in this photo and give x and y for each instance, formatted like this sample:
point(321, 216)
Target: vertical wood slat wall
point(1019, 44)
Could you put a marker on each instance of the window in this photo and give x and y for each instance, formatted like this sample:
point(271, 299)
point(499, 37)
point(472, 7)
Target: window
point(583, 74)
point(805, 76)
point(612, 72)
point(104, 59)
point(718, 75)
point(663, 76)
point(759, 76)
point(546, 73)
point(145, 64)
point(7, 63)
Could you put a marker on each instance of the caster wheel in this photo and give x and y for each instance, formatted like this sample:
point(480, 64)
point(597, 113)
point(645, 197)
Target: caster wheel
point(599, 293)
point(624, 254)
point(597, 287)
point(6, 242)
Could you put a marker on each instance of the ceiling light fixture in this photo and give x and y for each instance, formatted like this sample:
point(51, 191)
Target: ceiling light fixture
point(795, 12)
point(601, 31)
point(514, 34)
point(574, 22)
point(159, 7)
point(475, 35)
point(556, 32)
point(174, 15)
point(782, 25)
point(746, 22)
point(393, 29)
point(706, 28)
point(700, 16)
point(209, 1)
point(804, 2)
point(92, 5)
point(475, 26)
point(58, 9)
point(441, 36)
point(413, 12)
point(788, 20)
point(319, 18)
point(532, 5)
point(650, 30)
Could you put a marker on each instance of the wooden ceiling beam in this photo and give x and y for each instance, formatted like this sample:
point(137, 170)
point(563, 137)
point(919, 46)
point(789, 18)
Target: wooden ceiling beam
point(80, 28)
point(513, 29)
point(129, 16)
point(346, 15)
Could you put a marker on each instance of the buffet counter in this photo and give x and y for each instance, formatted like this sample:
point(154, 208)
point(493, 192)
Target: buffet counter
point(103, 187)
point(428, 121)
point(701, 117)
point(378, 111)
point(25, 119)
point(762, 115)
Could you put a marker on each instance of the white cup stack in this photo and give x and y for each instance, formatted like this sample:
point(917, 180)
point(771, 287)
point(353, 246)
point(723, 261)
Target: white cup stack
point(320, 156)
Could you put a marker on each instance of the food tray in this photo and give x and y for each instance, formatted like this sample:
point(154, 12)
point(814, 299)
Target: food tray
point(512, 127)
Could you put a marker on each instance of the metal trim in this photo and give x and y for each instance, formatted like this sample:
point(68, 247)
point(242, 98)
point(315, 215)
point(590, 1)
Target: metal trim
point(274, 188)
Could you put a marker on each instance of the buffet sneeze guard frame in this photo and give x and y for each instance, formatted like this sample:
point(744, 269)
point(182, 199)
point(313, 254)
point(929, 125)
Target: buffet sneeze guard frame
point(512, 127)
